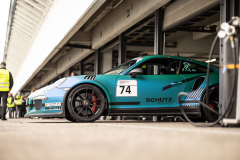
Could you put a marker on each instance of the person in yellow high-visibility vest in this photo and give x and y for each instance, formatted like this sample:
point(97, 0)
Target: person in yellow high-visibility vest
point(18, 102)
point(11, 105)
point(6, 83)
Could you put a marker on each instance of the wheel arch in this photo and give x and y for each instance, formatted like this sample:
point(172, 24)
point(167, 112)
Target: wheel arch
point(213, 80)
point(204, 92)
point(98, 85)
point(206, 115)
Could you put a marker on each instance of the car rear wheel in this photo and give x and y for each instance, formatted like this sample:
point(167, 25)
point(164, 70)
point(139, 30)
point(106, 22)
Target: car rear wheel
point(208, 115)
point(86, 103)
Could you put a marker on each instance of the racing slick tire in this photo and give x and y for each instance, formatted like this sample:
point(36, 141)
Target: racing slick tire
point(86, 103)
point(69, 118)
point(208, 115)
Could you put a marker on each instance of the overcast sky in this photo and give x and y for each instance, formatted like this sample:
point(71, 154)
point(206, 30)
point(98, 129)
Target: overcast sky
point(4, 11)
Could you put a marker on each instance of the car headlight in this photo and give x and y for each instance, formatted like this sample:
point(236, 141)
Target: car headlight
point(57, 83)
point(40, 98)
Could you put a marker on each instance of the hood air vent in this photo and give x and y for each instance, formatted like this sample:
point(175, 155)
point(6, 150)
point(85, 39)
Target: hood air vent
point(91, 77)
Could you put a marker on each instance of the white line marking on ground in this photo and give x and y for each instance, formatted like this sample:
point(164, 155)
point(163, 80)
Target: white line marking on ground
point(194, 130)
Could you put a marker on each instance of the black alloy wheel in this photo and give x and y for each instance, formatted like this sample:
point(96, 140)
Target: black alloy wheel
point(86, 103)
point(208, 115)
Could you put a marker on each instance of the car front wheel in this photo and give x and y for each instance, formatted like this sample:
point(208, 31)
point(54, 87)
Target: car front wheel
point(86, 103)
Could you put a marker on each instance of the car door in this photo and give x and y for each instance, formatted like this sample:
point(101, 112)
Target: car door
point(157, 87)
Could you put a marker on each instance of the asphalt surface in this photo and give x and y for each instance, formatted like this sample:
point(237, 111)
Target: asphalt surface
point(29, 139)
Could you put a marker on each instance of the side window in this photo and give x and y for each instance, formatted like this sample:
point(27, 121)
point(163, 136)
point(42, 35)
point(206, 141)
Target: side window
point(192, 68)
point(159, 66)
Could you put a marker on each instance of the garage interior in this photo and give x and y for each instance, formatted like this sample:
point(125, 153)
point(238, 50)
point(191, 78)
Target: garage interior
point(190, 39)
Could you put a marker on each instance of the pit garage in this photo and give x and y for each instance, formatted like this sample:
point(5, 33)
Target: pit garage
point(60, 57)
point(139, 40)
point(191, 38)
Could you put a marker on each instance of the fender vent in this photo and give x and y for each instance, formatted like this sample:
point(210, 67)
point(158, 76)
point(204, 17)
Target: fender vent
point(91, 77)
point(198, 83)
point(196, 94)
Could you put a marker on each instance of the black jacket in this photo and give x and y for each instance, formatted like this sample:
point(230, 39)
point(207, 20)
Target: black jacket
point(11, 78)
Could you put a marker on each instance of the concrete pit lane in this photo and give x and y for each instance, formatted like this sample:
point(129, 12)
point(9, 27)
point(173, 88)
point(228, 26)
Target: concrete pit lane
point(28, 139)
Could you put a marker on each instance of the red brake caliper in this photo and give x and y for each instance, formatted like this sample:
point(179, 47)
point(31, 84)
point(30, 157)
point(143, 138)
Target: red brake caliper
point(211, 106)
point(94, 103)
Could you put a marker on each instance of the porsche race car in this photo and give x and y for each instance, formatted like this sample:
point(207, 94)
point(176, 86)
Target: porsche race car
point(143, 86)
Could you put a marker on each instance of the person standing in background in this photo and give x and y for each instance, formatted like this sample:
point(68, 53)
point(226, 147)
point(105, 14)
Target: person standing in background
point(6, 83)
point(11, 105)
point(26, 107)
point(19, 102)
point(23, 107)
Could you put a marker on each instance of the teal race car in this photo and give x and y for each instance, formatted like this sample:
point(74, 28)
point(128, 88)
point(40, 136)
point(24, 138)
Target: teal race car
point(143, 86)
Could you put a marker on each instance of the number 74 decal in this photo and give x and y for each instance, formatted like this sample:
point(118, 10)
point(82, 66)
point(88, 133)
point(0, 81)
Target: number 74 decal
point(126, 88)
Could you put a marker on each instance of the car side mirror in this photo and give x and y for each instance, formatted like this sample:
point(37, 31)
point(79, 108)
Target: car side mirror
point(135, 72)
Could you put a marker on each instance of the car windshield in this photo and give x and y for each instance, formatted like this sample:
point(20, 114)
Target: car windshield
point(119, 69)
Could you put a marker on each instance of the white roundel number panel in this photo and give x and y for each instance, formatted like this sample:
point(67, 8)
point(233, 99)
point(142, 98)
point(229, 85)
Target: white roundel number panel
point(126, 88)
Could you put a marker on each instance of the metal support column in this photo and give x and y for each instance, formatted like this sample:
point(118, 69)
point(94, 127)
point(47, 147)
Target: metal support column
point(69, 72)
point(81, 68)
point(97, 62)
point(121, 55)
point(122, 49)
point(159, 35)
point(228, 9)
point(159, 43)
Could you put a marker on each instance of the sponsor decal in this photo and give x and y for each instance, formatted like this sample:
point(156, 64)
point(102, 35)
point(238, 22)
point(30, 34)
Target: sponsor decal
point(183, 81)
point(53, 108)
point(53, 104)
point(159, 100)
point(186, 66)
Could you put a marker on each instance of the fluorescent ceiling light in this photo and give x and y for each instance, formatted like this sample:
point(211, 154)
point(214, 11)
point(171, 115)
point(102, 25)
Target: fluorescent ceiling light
point(212, 60)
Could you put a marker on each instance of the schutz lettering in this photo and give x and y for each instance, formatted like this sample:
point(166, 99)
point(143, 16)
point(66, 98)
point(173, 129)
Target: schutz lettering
point(159, 100)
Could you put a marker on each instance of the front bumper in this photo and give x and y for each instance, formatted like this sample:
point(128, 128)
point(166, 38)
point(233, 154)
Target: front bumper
point(46, 104)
